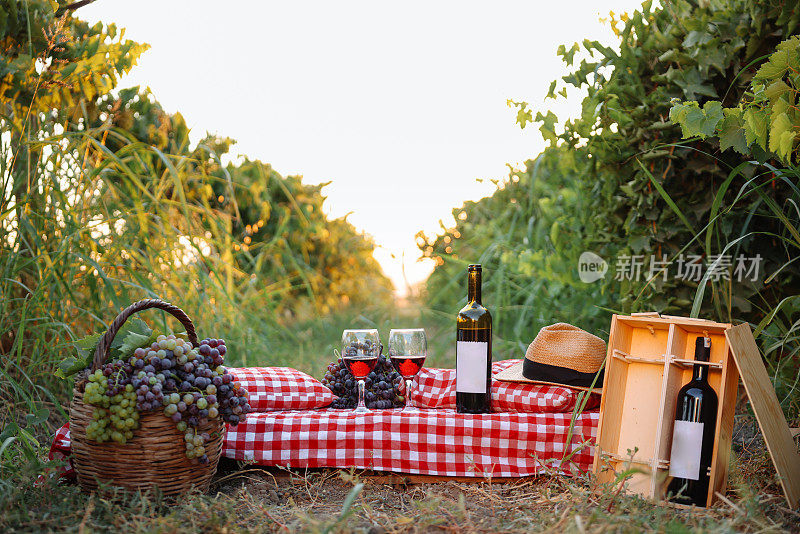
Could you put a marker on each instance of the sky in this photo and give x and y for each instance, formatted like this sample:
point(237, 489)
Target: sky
point(402, 106)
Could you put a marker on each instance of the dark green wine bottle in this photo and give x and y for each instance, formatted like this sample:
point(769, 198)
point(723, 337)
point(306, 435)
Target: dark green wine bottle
point(474, 350)
point(693, 434)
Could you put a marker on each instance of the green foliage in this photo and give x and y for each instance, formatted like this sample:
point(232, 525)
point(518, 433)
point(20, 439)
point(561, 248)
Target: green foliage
point(764, 124)
point(56, 63)
point(528, 236)
point(698, 121)
point(275, 227)
point(765, 121)
point(106, 201)
point(652, 194)
point(622, 183)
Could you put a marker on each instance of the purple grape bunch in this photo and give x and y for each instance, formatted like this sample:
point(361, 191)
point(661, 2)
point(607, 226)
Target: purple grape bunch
point(382, 386)
point(189, 384)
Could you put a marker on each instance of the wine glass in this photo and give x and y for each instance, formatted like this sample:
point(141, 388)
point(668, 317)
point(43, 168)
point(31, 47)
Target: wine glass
point(360, 351)
point(408, 348)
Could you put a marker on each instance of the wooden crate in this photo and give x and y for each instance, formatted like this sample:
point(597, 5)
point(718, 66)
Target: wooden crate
point(649, 359)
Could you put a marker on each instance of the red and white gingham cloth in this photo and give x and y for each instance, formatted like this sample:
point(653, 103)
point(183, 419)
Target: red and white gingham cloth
point(61, 449)
point(436, 388)
point(433, 442)
point(282, 388)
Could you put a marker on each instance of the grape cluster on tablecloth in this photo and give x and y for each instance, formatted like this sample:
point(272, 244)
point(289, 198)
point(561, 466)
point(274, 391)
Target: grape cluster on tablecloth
point(383, 386)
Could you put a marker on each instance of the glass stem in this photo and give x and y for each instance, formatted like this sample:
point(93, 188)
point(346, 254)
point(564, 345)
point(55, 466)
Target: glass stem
point(361, 386)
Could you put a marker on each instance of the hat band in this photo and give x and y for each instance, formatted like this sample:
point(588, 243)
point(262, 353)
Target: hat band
point(560, 375)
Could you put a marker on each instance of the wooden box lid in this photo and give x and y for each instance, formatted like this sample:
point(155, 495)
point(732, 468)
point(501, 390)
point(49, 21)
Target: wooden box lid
point(767, 409)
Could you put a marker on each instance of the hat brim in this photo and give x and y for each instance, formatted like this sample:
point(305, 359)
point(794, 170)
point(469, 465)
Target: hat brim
point(514, 374)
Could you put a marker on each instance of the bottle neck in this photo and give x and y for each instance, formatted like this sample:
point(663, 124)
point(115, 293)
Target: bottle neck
point(700, 373)
point(702, 353)
point(474, 287)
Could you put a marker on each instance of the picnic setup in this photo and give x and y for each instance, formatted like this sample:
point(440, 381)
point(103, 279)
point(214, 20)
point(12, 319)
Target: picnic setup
point(399, 268)
point(571, 405)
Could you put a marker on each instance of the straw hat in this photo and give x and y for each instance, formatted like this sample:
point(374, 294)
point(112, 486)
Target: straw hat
point(562, 355)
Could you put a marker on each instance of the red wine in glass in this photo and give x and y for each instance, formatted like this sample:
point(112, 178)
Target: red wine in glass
point(360, 366)
point(360, 352)
point(407, 350)
point(408, 366)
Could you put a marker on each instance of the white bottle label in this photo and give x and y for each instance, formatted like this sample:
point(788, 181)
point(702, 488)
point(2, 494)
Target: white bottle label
point(687, 442)
point(471, 361)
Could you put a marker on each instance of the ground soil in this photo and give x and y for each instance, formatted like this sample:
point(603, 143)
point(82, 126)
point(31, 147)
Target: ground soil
point(314, 499)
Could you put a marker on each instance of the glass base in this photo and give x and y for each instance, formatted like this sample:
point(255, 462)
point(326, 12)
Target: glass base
point(410, 409)
point(361, 409)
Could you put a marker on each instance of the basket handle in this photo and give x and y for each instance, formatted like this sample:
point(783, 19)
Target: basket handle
point(103, 346)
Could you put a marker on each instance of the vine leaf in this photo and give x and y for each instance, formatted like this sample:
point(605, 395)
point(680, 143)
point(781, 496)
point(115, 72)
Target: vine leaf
point(780, 125)
point(776, 89)
point(766, 121)
point(732, 134)
point(756, 127)
point(134, 340)
point(695, 121)
point(84, 349)
point(775, 67)
point(548, 127)
point(696, 37)
point(786, 144)
point(692, 83)
point(551, 92)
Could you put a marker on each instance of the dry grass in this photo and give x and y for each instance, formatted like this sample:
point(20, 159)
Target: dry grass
point(254, 499)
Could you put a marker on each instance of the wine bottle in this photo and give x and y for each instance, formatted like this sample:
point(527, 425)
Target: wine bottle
point(474, 350)
point(693, 434)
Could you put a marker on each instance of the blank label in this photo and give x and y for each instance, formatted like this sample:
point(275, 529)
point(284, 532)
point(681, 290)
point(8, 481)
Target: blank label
point(471, 362)
point(687, 442)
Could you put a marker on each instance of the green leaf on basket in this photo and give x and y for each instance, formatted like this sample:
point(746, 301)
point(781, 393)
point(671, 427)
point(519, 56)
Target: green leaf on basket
point(84, 352)
point(87, 346)
point(133, 340)
point(69, 366)
point(88, 343)
point(135, 327)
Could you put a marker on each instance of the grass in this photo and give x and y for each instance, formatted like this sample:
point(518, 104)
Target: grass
point(269, 500)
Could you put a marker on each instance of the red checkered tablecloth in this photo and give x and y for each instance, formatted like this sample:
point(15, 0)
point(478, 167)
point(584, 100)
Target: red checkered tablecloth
point(531, 431)
point(433, 442)
point(436, 388)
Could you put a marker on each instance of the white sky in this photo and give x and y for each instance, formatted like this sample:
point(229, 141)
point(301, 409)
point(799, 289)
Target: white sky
point(402, 105)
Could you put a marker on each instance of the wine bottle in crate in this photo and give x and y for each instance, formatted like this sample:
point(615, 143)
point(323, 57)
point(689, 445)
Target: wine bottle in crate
point(693, 434)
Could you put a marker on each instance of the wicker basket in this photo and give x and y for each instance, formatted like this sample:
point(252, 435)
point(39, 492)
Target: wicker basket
point(156, 456)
